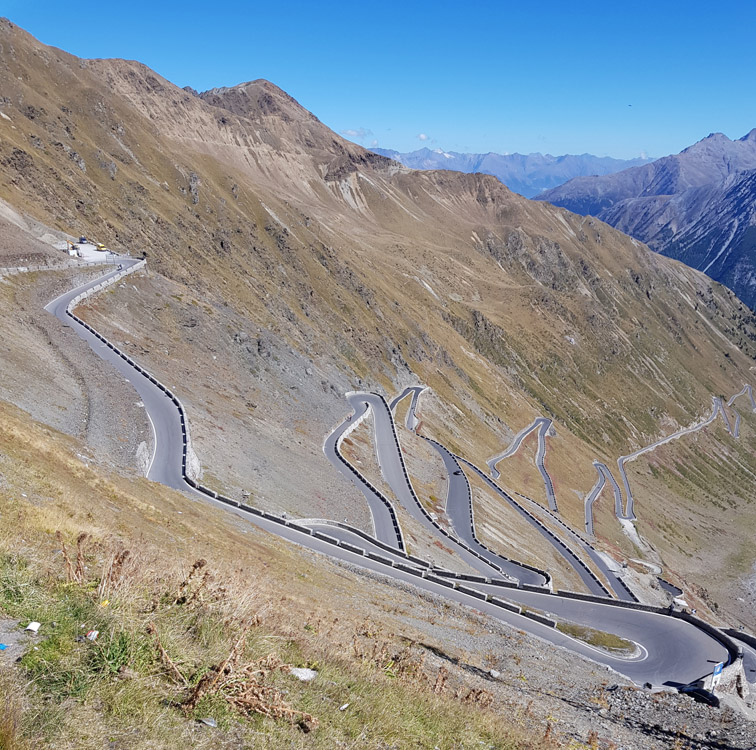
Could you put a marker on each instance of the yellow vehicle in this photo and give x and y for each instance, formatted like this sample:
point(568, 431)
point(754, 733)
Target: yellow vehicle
point(101, 247)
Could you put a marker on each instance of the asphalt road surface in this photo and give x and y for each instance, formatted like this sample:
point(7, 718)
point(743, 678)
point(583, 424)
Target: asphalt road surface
point(412, 421)
point(749, 660)
point(395, 474)
point(459, 510)
point(716, 409)
point(543, 425)
point(166, 460)
point(385, 523)
point(575, 562)
point(665, 641)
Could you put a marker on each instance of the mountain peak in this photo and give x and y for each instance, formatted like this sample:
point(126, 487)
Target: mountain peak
point(750, 136)
point(246, 86)
point(255, 98)
point(713, 140)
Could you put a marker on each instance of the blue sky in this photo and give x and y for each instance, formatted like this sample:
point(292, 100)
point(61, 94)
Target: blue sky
point(609, 78)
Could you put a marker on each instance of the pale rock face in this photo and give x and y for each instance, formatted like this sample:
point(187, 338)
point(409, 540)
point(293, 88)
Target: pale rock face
point(143, 458)
point(193, 464)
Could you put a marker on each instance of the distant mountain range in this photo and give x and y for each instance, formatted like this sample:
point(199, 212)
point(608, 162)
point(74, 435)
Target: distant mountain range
point(526, 174)
point(696, 206)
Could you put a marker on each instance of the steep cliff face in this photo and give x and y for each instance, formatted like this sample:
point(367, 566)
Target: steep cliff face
point(710, 228)
point(344, 269)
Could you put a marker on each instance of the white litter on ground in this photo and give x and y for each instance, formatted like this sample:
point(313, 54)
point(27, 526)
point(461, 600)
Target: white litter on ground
point(303, 674)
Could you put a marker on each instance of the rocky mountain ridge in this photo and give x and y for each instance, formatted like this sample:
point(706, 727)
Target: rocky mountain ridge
point(526, 174)
point(694, 206)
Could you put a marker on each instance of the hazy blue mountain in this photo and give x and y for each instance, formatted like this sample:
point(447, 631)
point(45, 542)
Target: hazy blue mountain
point(696, 206)
point(703, 163)
point(526, 174)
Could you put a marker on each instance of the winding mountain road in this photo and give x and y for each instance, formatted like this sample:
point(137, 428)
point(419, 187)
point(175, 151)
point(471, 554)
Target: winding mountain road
point(395, 473)
point(716, 409)
point(604, 476)
point(746, 390)
point(628, 512)
point(385, 522)
point(412, 421)
point(167, 453)
point(671, 651)
point(543, 425)
point(460, 511)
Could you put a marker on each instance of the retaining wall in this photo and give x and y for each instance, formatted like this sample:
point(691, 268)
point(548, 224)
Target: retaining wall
point(740, 635)
point(732, 680)
point(65, 265)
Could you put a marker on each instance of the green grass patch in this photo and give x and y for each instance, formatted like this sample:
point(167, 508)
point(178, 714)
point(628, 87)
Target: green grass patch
point(597, 638)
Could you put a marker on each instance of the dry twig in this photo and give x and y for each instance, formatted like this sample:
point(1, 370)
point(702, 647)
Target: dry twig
point(245, 689)
point(80, 556)
point(66, 558)
point(113, 572)
point(167, 661)
point(210, 680)
point(186, 583)
point(441, 678)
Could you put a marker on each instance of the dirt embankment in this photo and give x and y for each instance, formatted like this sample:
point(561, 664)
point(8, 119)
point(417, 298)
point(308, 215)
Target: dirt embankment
point(54, 375)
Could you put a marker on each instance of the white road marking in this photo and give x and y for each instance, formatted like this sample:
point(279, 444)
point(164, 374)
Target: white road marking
point(154, 449)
